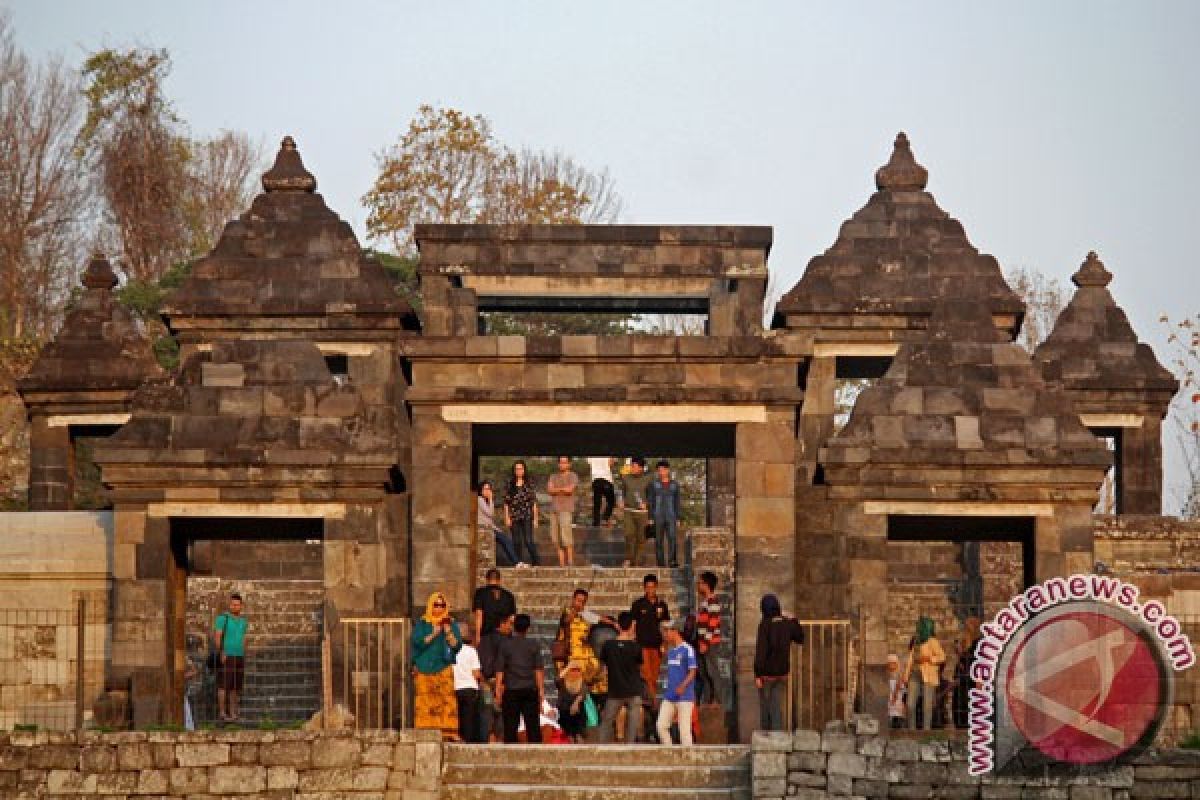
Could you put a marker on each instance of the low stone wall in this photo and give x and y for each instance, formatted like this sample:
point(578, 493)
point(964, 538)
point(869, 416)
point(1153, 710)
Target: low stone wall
point(808, 765)
point(270, 765)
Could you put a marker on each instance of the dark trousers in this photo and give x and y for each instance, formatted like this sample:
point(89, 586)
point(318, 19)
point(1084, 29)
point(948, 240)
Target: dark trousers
point(522, 530)
point(664, 540)
point(522, 704)
point(604, 495)
point(770, 705)
point(710, 691)
point(468, 715)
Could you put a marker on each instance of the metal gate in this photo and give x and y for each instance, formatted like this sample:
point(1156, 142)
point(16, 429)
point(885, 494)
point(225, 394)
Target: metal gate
point(823, 679)
point(375, 676)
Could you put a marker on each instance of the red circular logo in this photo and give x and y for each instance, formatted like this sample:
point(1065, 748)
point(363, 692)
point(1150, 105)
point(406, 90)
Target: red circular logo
point(1083, 687)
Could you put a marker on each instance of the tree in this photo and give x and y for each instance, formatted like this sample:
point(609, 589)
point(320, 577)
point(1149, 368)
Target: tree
point(1184, 340)
point(1044, 299)
point(167, 195)
point(448, 167)
point(44, 199)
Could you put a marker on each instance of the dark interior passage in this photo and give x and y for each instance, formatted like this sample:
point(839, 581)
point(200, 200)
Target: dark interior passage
point(673, 439)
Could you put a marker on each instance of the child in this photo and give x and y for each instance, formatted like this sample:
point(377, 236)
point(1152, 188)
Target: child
point(895, 692)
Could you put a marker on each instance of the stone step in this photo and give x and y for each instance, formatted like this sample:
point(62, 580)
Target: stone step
point(556, 773)
point(602, 755)
point(518, 791)
point(600, 602)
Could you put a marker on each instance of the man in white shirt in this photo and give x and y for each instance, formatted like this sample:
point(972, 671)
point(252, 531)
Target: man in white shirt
point(603, 493)
point(467, 677)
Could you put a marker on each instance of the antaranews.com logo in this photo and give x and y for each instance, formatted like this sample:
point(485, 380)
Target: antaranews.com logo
point(1075, 671)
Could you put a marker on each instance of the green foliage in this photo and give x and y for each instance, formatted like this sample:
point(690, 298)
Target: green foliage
point(119, 83)
point(1191, 741)
point(565, 323)
point(145, 300)
point(402, 269)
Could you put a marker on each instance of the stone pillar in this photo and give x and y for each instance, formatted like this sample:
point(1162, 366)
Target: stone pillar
point(720, 483)
point(51, 467)
point(142, 603)
point(765, 541)
point(816, 416)
point(1064, 543)
point(441, 509)
point(1140, 481)
point(864, 539)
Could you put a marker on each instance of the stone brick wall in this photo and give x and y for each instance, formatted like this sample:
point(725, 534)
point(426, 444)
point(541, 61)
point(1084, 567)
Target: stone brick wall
point(859, 762)
point(279, 765)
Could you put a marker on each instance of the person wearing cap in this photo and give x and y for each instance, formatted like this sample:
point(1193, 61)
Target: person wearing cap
point(679, 699)
point(572, 701)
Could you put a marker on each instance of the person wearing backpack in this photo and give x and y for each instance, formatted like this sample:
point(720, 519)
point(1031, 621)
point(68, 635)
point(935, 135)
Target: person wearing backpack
point(229, 634)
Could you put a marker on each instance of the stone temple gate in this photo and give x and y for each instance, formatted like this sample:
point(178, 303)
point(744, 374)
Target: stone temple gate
point(310, 390)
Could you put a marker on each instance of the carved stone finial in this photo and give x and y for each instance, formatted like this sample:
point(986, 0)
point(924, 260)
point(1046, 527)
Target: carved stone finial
point(288, 173)
point(902, 172)
point(1092, 272)
point(99, 273)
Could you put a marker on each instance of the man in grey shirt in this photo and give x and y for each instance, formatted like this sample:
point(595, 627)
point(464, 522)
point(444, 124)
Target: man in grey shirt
point(520, 689)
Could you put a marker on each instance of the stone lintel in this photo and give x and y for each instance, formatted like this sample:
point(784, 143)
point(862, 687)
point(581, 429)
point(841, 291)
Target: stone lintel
point(588, 285)
point(294, 510)
point(871, 349)
point(1112, 420)
point(958, 509)
point(65, 420)
point(601, 412)
point(348, 348)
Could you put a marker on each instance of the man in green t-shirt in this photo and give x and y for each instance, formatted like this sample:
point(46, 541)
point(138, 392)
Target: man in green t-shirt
point(229, 631)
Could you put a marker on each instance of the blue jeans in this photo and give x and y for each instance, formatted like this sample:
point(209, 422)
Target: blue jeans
point(664, 540)
point(505, 556)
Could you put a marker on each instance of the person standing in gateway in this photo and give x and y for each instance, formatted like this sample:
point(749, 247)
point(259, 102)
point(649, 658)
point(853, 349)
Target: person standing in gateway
point(562, 486)
point(229, 632)
point(604, 494)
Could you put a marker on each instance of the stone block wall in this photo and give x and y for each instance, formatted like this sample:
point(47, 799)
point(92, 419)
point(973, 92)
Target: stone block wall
point(51, 560)
point(859, 762)
point(267, 765)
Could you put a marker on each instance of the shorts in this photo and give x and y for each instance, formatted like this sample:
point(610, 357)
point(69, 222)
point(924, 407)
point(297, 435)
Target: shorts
point(560, 528)
point(231, 676)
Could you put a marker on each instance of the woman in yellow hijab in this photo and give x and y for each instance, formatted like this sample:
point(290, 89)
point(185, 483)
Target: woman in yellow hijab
point(435, 642)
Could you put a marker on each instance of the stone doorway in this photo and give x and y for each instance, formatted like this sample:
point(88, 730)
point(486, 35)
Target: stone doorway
point(276, 565)
point(949, 569)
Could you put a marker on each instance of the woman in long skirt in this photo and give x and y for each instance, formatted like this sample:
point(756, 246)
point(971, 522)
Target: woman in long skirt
point(435, 642)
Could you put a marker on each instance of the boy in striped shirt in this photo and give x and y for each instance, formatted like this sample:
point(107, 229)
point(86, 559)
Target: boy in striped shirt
point(708, 636)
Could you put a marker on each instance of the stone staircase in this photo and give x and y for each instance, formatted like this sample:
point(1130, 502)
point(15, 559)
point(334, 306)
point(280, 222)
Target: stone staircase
point(602, 546)
point(543, 592)
point(595, 772)
point(283, 668)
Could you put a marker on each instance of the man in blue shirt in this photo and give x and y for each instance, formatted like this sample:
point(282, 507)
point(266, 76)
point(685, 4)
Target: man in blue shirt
point(662, 501)
point(229, 631)
point(680, 696)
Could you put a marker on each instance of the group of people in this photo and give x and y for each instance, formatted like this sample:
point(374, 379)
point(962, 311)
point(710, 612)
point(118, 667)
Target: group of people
point(484, 680)
point(649, 506)
point(918, 693)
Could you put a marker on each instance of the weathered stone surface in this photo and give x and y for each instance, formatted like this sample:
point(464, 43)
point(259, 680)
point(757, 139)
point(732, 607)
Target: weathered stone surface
point(335, 752)
point(237, 779)
point(202, 754)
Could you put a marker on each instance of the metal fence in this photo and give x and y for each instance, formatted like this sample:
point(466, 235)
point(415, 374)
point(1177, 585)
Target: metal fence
point(823, 678)
point(375, 672)
point(51, 665)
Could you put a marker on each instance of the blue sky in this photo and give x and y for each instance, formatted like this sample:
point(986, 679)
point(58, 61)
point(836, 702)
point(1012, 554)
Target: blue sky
point(1048, 128)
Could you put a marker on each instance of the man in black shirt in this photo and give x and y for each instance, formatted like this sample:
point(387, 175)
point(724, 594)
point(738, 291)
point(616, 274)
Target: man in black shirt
point(489, 660)
point(519, 683)
point(649, 612)
point(622, 657)
point(491, 604)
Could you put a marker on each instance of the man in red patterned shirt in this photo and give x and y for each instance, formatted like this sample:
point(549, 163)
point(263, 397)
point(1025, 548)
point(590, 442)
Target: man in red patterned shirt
point(708, 636)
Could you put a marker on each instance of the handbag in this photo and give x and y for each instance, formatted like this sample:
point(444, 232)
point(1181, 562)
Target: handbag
point(560, 648)
point(650, 531)
point(590, 714)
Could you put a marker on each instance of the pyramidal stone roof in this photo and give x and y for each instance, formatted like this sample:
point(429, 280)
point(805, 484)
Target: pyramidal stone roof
point(964, 395)
point(1093, 346)
point(99, 347)
point(896, 256)
point(289, 256)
